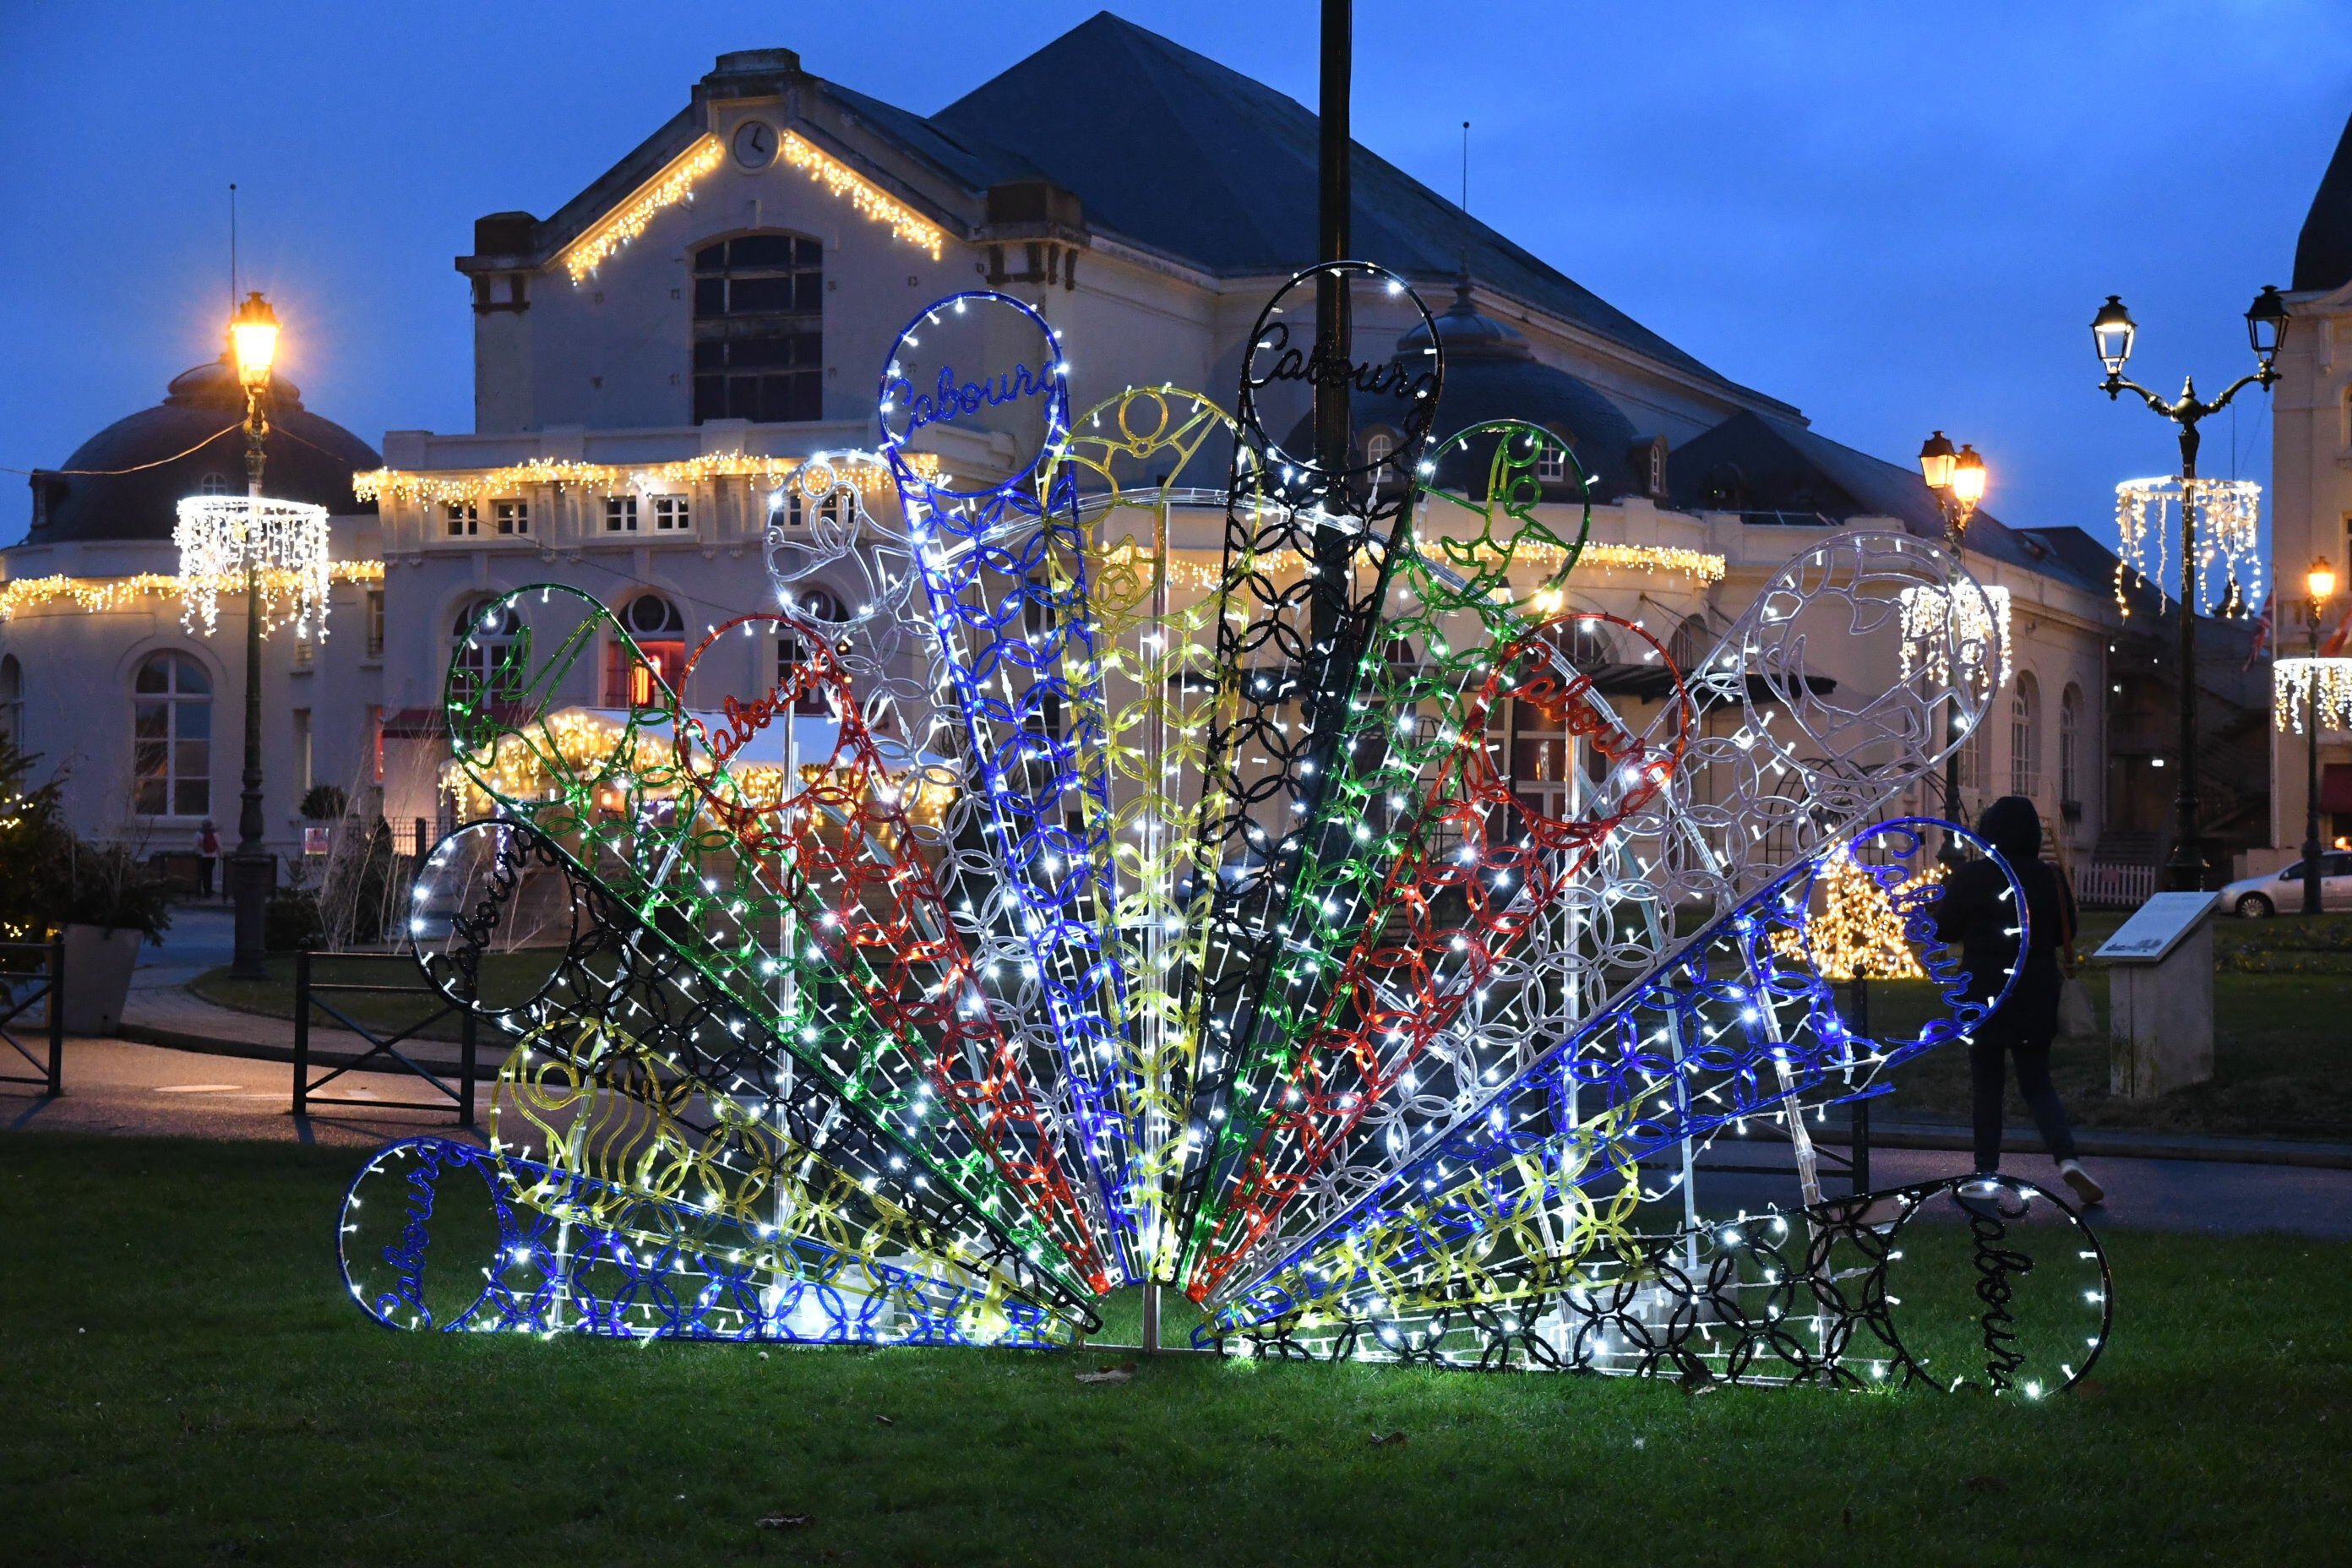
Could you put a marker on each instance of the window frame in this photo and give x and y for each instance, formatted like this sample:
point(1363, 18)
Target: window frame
point(621, 514)
point(2025, 736)
point(173, 700)
point(461, 520)
point(757, 350)
point(511, 516)
point(673, 513)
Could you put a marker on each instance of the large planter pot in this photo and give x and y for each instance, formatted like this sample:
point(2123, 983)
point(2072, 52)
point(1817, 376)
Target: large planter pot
point(99, 960)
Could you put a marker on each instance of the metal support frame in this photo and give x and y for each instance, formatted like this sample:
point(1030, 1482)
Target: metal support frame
point(307, 996)
point(50, 989)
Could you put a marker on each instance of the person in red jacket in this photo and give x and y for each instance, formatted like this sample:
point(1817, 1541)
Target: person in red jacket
point(208, 851)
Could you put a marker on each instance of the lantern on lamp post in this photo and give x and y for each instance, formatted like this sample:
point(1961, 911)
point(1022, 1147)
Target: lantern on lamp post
point(227, 542)
point(2327, 693)
point(1956, 477)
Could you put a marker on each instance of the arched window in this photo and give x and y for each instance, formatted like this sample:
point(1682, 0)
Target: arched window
point(172, 737)
point(2025, 736)
point(1377, 448)
point(12, 698)
point(759, 329)
point(1591, 644)
point(818, 603)
point(483, 654)
point(2070, 757)
point(659, 632)
point(213, 484)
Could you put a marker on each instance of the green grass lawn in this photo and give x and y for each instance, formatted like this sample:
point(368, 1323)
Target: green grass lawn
point(187, 1383)
point(2282, 1042)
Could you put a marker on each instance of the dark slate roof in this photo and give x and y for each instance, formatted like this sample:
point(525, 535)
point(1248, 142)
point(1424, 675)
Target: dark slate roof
point(1773, 471)
point(1491, 374)
point(1181, 155)
point(2323, 252)
point(310, 459)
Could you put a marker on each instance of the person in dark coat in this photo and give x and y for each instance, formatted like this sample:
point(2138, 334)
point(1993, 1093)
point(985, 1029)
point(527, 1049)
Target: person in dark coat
point(1976, 912)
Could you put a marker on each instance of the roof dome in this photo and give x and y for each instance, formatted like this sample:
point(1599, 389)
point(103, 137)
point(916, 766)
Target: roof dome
point(310, 459)
point(1491, 372)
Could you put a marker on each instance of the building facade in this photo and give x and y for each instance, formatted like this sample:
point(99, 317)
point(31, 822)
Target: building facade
point(658, 360)
point(2311, 478)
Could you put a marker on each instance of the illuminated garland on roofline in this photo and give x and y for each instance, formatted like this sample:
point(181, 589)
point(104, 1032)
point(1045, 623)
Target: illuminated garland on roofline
point(1203, 575)
point(675, 185)
point(862, 469)
point(102, 595)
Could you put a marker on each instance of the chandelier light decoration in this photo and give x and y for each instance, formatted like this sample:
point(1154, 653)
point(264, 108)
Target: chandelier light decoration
point(2227, 575)
point(2292, 683)
point(1973, 617)
point(1321, 942)
point(222, 538)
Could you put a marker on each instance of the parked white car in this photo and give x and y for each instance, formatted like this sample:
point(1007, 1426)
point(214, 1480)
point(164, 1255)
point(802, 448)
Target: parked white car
point(2280, 893)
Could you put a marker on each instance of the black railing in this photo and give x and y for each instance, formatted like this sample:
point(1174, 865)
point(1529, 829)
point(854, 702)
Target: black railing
point(20, 987)
point(309, 993)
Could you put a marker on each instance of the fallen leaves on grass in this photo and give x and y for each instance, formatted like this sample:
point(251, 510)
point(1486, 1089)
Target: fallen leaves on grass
point(1124, 1372)
point(1387, 1439)
point(786, 1520)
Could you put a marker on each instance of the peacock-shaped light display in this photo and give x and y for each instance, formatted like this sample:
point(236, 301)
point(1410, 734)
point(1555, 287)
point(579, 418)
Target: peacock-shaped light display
point(1326, 935)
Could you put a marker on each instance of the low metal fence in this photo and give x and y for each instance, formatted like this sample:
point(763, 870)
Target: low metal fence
point(24, 980)
point(310, 994)
point(2101, 885)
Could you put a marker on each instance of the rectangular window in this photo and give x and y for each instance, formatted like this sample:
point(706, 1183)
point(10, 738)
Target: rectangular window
point(514, 516)
point(620, 514)
point(306, 651)
point(376, 623)
point(375, 742)
point(301, 753)
point(670, 514)
point(464, 520)
point(759, 329)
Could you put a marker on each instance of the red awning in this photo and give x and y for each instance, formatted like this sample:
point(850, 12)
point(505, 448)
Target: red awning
point(2336, 787)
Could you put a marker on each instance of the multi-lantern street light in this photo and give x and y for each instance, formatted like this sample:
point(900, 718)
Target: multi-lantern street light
point(252, 345)
point(2113, 332)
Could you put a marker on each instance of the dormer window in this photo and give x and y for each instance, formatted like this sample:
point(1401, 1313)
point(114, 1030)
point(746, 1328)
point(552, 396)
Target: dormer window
point(1377, 448)
point(1551, 463)
point(759, 329)
point(214, 484)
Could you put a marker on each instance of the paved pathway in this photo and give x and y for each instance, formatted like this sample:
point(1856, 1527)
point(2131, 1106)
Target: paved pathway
point(116, 1086)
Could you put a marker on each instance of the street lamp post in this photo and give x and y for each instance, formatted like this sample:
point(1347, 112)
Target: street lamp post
point(253, 343)
point(2112, 331)
point(2321, 581)
point(1958, 480)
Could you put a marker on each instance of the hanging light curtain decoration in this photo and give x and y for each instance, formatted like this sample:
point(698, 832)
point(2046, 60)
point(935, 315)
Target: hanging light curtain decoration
point(2291, 692)
point(1975, 618)
point(2228, 572)
point(220, 536)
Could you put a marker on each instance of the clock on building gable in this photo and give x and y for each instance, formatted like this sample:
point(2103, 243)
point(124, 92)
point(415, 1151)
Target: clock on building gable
point(754, 144)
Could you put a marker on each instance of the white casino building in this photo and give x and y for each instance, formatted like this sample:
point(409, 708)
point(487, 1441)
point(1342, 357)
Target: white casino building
point(653, 360)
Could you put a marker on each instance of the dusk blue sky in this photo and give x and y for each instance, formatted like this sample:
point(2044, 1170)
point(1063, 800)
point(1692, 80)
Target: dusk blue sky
point(1894, 216)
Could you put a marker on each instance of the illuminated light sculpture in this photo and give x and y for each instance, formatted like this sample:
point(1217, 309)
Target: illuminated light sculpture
point(222, 538)
point(2227, 575)
point(1368, 945)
